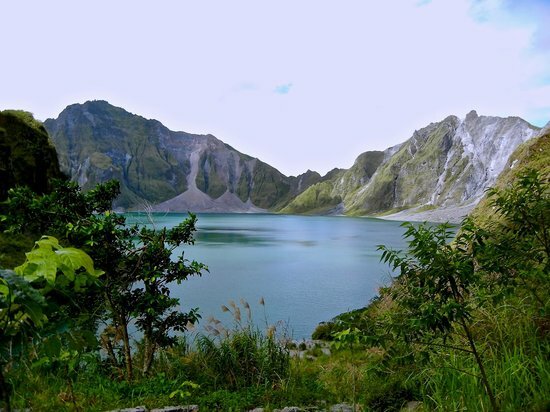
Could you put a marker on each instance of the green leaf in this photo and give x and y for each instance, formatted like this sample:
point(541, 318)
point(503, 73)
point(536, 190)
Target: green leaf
point(52, 346)
point(75, 259)
point(34, 311)
point(39, 268)
point(4, 288)
point(44, 360)
point(48, 242)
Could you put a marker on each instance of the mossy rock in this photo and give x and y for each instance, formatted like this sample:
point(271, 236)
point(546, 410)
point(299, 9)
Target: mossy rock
point(27, 157)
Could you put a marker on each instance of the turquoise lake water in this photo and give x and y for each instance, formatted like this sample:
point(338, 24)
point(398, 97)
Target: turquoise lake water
point(307, 269)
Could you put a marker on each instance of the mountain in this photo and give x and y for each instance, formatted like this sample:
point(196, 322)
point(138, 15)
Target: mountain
point(174, 171)
point(328, 196)
point(440, 173)
point(27, 156)
point(445, 165)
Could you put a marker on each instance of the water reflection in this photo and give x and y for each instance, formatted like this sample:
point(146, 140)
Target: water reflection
point(228, 237)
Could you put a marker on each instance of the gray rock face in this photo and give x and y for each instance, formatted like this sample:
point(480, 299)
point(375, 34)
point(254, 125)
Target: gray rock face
point(187, 408)
point(136, 409)
point(341, 407)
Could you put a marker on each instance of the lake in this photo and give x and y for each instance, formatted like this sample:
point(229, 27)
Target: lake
point(307, 269)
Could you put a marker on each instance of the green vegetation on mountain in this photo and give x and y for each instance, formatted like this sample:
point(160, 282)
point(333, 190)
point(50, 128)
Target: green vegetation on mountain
point(27, 157)
point(445, 164)
point(317, 199)
point(97, 142)
point(360, 173)
point(208, 179)
point(407, 178)
point(327, 195)
point(269, 187)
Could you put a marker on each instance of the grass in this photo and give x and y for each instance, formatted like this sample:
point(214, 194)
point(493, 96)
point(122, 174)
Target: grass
point(241, 367)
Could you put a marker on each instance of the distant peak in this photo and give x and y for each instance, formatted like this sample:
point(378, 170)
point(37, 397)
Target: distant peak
point(472, 115)
point(96, 103)
point(89, 103)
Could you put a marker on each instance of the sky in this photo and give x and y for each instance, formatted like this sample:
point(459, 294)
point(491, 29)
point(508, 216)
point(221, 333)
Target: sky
point(300, 84)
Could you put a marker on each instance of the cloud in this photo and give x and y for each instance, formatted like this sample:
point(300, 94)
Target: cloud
point(247, 87)
point(283, 88)
point(421, 3)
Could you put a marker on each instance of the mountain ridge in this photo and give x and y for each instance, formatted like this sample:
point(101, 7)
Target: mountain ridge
point(447, 164)
point(97, 141)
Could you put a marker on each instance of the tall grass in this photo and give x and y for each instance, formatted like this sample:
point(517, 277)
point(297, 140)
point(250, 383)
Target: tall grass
point(517, 360)
point(244, 355)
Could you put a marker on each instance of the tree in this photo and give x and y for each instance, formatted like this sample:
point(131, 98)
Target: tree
point(137, 287)
point(433, 291)
point(137, 262)
point(517, 247)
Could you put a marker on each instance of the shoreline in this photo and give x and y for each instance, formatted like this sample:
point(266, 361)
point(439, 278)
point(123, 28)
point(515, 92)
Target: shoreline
point(454, 214)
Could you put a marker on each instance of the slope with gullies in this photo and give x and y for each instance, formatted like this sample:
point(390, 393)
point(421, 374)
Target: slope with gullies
point(176, 171)
point(531, 155)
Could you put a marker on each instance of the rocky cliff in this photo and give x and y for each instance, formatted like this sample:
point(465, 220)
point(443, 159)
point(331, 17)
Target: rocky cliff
point(175, 171)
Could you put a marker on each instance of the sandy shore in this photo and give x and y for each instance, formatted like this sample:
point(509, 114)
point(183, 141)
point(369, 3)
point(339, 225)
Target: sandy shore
point(439, 215)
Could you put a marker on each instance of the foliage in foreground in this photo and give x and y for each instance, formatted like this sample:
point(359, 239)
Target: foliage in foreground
point(137, 265)
point(472, 316)
point(461, 321)
point(35, 306)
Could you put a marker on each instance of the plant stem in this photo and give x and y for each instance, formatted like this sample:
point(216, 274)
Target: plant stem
point(484, 379)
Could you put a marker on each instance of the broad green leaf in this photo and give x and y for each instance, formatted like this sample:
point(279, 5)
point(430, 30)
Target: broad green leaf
point(4, 288)
point(75, 258)
point(40, 253)
point(52, 346)
point(34, 312)
point(48, 242)
point(38, 268)
point(68, 272)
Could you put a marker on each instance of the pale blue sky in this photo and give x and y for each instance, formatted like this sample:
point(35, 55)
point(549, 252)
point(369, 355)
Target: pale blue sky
point(302, 85)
